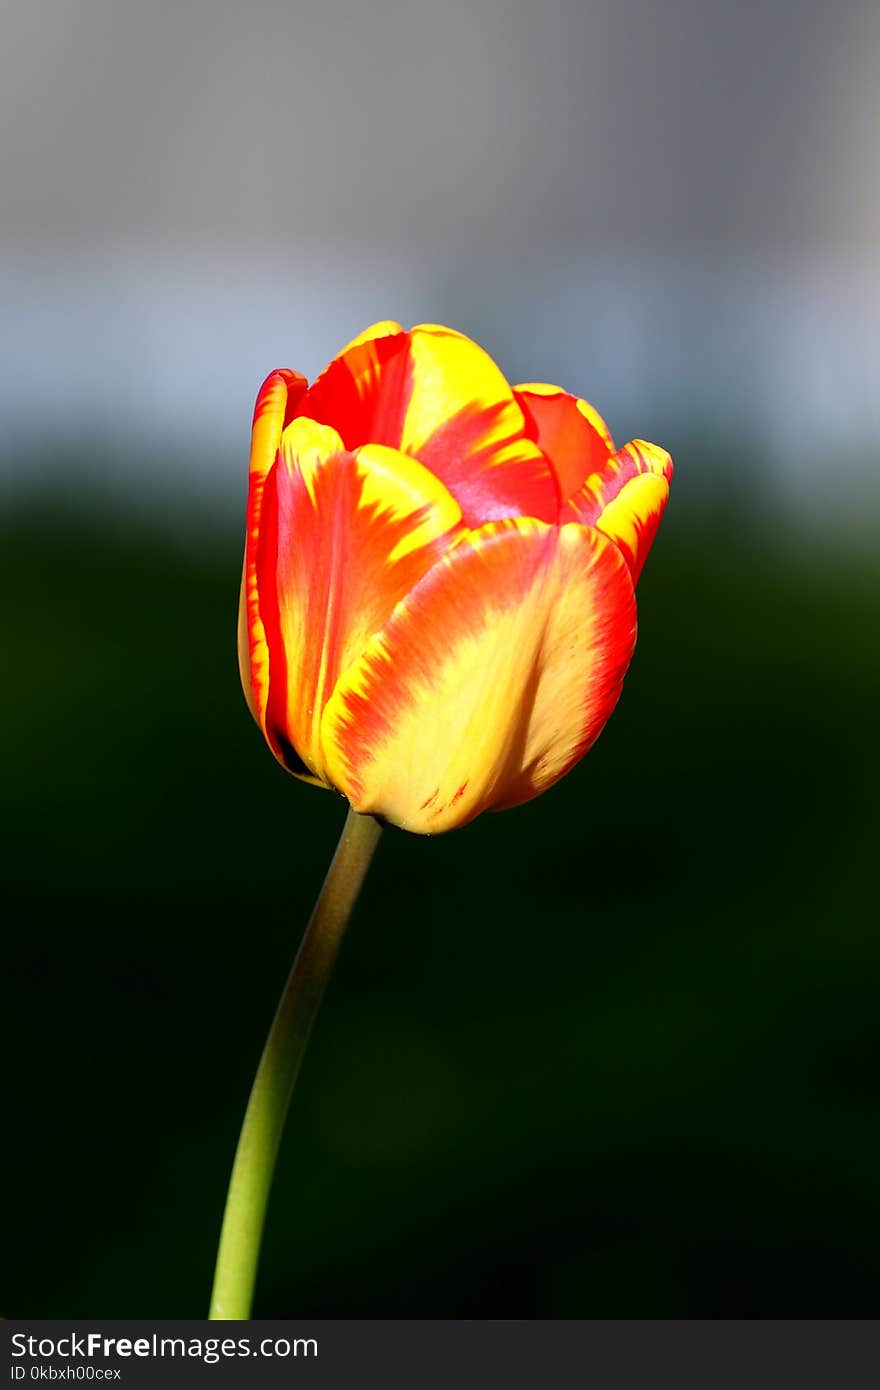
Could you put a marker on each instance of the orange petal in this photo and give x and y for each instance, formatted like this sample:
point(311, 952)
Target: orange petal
point(489, 680)
point(437, 396)
point(572, 435)
point(275, 406)
point(626, 499)
point(344, 536)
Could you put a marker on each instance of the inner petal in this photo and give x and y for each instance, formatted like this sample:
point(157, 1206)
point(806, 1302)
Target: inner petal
point(572, 435)
point(435, 395)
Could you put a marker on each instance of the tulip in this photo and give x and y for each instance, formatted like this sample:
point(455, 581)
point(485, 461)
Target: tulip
point(438, 602)
point(437, 612)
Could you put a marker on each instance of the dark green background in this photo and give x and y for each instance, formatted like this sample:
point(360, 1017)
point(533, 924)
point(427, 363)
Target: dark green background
point(616, 1053)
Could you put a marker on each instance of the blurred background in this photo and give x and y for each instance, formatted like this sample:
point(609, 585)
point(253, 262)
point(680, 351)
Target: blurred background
point(616, 1053)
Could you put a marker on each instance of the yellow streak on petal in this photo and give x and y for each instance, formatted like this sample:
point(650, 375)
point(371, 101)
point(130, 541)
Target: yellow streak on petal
point(540, 388)
point(244, 651)
point(305, 448)
point(269, 415)
point(401, 487)
point(593, 418)
point(453, 374)
point(386, 328)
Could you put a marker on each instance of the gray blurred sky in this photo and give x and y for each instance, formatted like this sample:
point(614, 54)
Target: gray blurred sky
point(679, 123)
point(662, 202)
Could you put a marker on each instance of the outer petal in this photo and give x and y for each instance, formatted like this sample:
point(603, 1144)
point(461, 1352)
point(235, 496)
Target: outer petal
point(571, 434)
point(344, 536)
point(439, 397)
point(489, 680)
point(626, 499)
point(631, 520)
point(276, 403)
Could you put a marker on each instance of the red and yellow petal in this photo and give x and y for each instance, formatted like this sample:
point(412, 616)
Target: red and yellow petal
point(275, 406)
point(345, 535)
point(626, 500)
point(631, 520)
point(364, 392)
point(491, 678)
point(569, 432)
point(437, 396)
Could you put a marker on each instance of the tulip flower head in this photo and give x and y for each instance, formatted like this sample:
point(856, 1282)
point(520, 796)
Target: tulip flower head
point(438, 603)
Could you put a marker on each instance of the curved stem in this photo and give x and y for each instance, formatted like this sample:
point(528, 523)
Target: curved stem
point(263, 1125)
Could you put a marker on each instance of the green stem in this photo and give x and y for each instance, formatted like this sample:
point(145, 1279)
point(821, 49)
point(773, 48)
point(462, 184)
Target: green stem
point(260, 1136)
